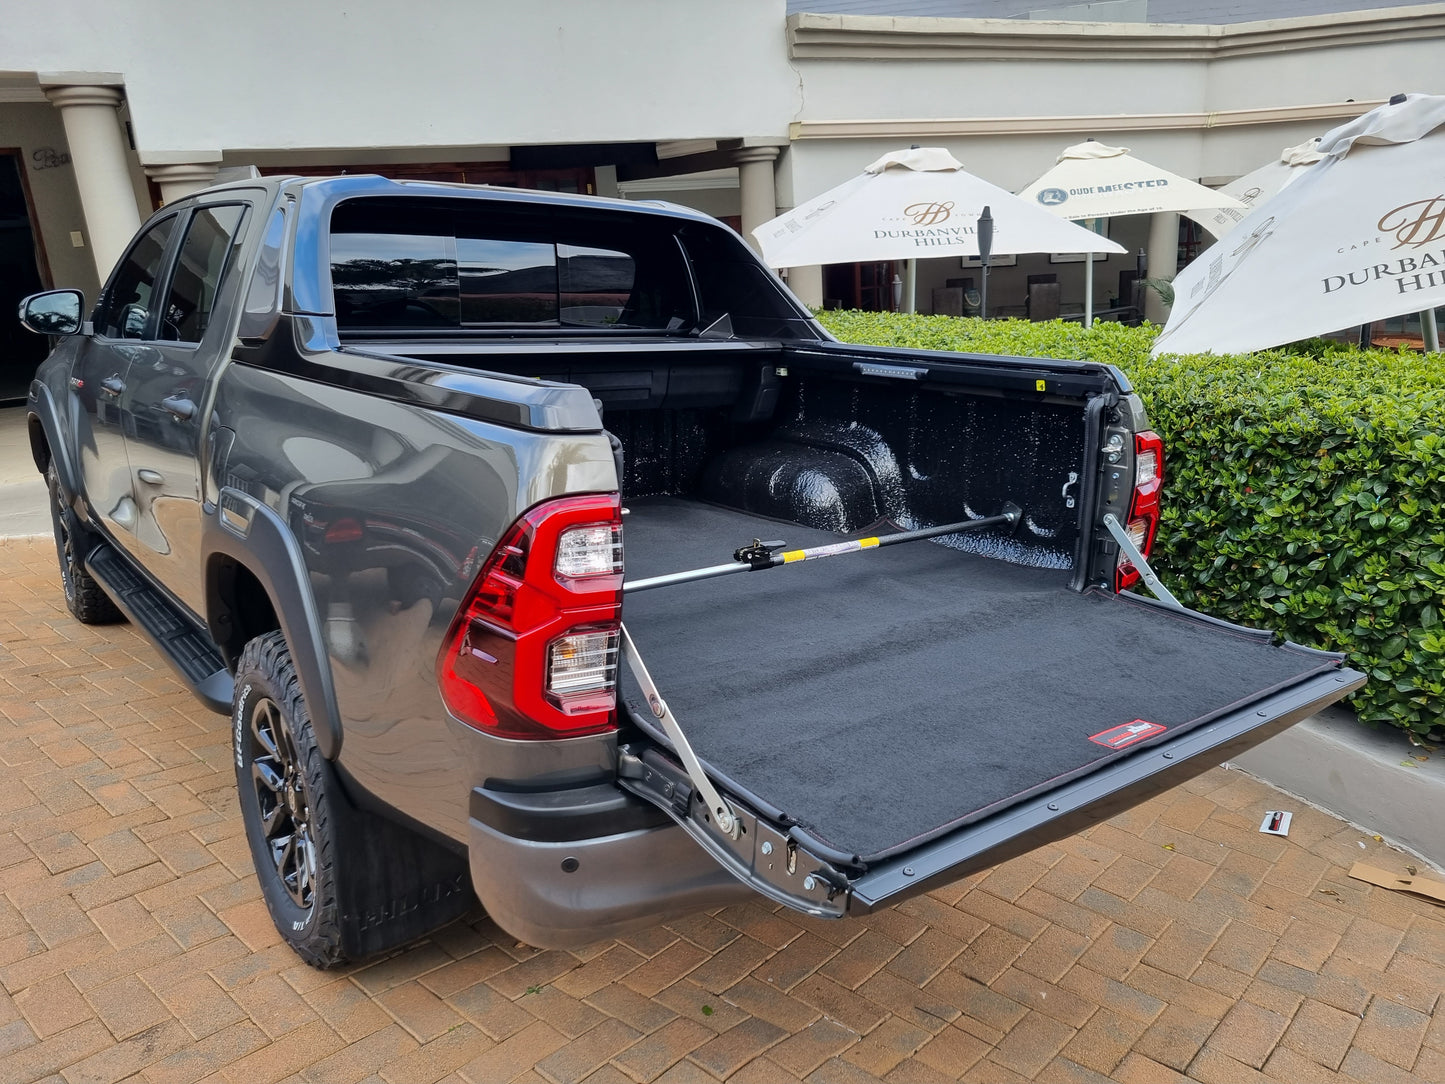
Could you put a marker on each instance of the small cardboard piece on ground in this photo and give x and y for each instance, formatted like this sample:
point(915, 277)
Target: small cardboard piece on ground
point(1425, 888)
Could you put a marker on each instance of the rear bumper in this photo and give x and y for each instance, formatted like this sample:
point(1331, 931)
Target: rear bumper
point(562, 893)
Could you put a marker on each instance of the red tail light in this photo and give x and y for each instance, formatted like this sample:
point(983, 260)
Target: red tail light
point(1143, 521)
point(533, 650)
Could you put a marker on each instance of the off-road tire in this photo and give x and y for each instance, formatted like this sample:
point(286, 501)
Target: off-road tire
point(84, 597)
point(268, 697)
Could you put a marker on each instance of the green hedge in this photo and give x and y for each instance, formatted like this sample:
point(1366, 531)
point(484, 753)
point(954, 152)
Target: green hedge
point(1304, 488)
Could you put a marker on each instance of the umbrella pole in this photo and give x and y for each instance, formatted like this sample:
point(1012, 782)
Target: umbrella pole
point(1431, 330)
point(985, 250)
point(1088, 289)
point(910, 286)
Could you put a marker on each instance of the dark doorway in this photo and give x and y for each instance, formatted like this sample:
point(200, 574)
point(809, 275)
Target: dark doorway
point(20, 350)
point(867, 286)
point(580, 179)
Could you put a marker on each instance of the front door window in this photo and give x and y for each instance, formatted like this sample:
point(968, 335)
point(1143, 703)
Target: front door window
point(125, 311)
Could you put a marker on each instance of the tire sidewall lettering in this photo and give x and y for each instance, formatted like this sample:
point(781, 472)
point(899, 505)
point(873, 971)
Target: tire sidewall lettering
point(265, 672)
point(238, 725)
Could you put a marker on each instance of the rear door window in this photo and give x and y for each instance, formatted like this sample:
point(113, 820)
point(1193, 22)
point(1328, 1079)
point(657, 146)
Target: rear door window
point(212, 237)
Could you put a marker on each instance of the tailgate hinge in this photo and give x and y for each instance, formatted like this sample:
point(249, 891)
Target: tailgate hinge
point(1138, 560)
point(722, 813)
point(758, 852)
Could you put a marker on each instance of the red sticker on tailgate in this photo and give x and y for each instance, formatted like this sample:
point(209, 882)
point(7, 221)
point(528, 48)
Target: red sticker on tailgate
point(1126, 734)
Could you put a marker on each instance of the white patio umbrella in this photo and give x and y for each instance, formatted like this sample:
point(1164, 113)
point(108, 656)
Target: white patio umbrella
point(1258, 185)
point(1095, 180)
point(915, 204)
point(1360, 236)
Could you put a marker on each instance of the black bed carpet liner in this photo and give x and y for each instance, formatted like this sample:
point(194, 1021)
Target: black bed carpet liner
point(881, 698)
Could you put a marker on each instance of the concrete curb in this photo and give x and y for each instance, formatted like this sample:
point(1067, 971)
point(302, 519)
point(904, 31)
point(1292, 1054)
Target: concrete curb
point(24, 509)
point(1333, 762)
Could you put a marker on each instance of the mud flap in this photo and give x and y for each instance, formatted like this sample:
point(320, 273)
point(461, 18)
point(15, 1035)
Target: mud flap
point(401, 883)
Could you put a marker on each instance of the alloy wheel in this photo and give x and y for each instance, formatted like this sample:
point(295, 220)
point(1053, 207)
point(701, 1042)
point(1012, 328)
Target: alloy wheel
point(281, 793)
point(64, 543)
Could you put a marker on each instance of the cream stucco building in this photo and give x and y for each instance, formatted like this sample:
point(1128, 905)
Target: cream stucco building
point(738, 108)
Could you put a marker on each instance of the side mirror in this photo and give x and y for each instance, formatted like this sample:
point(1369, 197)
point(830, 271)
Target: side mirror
point(56, 312)
point(133, 321)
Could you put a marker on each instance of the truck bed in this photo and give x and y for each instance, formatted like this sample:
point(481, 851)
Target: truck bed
point(880, 699)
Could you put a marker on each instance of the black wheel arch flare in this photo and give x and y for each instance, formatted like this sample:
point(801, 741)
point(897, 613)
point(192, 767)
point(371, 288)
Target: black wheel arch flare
point(49, 445)
point(242, 529)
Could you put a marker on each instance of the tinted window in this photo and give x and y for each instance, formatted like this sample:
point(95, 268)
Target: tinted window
point(507, 282)
point(211, 241)
point(731, 282)
point(594, 284)
point(402, 279)
point(125, 311)
point(457, 265)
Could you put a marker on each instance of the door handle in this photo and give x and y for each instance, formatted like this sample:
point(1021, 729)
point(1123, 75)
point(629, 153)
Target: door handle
point(178, 407)
point(150, 477)
point(113, 384)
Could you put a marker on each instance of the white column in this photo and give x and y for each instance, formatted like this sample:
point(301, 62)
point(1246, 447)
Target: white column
point(606, 178)
point(807, 283)
point(182, 178)
point(757, 189)
point(98, 152)
point(1163, 260)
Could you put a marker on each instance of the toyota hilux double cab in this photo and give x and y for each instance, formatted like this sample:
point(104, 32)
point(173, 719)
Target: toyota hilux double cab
point(545, 548)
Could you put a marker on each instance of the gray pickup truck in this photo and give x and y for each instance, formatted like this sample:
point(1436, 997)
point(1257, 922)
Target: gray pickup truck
point(359, 457)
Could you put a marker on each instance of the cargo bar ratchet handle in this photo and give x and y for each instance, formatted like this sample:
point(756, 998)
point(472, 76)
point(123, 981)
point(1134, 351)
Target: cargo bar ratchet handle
point(761, 555)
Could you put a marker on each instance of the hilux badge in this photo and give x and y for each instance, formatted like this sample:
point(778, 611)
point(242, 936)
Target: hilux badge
point(1126, 734)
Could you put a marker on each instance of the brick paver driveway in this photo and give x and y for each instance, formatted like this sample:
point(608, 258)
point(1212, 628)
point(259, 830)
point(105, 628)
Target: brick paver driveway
point(1173, 942)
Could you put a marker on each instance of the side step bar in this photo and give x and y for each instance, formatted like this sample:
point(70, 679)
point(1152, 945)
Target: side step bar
point(193, 657)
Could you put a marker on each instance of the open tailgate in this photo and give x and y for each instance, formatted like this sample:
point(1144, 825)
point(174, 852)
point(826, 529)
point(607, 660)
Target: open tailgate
point(787, 863)
point(880, 725)
point(1113, 788)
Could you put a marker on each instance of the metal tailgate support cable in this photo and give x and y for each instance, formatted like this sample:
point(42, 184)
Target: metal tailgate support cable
point(760, 555)
point(1138, 560)
point(727, 821)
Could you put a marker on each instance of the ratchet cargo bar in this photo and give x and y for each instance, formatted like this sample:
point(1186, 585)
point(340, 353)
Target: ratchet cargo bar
point(759, 555)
